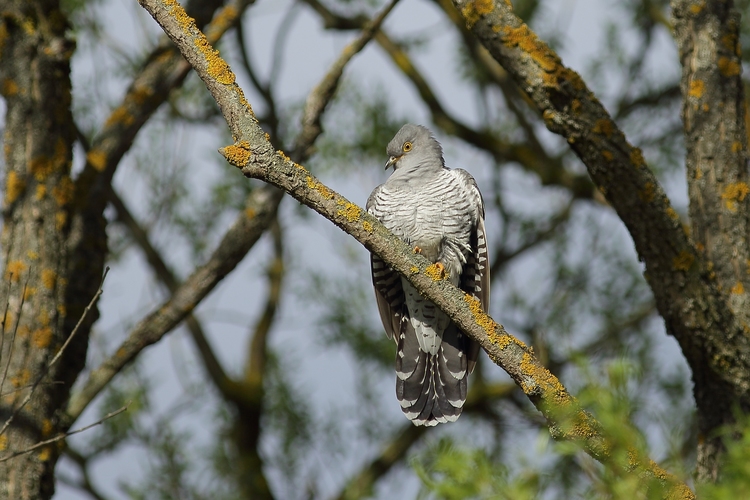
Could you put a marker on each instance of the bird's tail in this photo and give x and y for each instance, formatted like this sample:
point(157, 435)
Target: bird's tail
point(431, 388)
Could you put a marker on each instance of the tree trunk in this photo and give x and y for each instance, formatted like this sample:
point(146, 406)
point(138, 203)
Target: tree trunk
point(52, 258)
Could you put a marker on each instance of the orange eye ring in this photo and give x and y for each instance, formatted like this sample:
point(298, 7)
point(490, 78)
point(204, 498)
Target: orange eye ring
point(407, 147)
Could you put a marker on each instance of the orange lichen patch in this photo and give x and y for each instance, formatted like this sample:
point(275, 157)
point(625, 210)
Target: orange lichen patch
point(696, 8)
point(249, 212)
point(41, 191)
point(414, 270)
point(43, 318)
point(607, 155)
point(576, 105)
point(237, 154)
point(32, 255)
point(526, 40)
point(120, 115)
point(218, 69)
point(736, 147)
point(604, 126)
point(21, 379)
point(141, 94)
point(14, 270)
point(42, 337)
point(738, 289)
point(49, 278)
point(542, 380)
point(14, 187)
point(29, 292)
point(647, 193)
point(61, 310)
point(60, 157)
point(697, 87)
point(733, 193)
point(705, 107)
point(436, 272)
point(320, 188)
point(683, 261)
point(636, 157)
point(63, 192)
point(97, 159)
point(367, 226)
point(61, 218)
point(28, 26)
point(3, 442)
point(672, 213)
point(348, 210)
point(41, 167)
point(8, 320)
point(45, 453)
point(475, 9)
point(47, 427)
point(729, 66)
point(9, 87)
point(698, 174)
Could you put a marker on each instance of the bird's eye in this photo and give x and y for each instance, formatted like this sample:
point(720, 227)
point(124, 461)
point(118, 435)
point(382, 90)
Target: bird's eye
point(407, 147)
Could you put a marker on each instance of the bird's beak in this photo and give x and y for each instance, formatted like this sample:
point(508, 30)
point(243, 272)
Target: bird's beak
point(392, 162)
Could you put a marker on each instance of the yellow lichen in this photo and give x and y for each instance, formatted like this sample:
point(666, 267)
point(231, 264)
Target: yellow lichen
point(696, 8)
point(729, 66)
point(604, 126)
point(249, 212)
point(49, 278)
point(42, 337)
point(22, 378)
point(697, 87)
point(607, 155)
point(63, 192)
point(349, 211)
point(3, 442)
point(45, 453)
point(14, 270)
point(636, 158)
point(29, 292)
point(698, 174)
point(14, 187)
point(414, 270)
point(733, 193)
point(320, 188)
point(32, 255)
point(648, 192)
point(61, 310)
point(475, 9)
point(9, 87)
point(61, 218)
point(683, 261)
point(576, 105)
point(367, 226)
point(218, 69)
point(97, 159)
point(705, 107)
point(120, 115)
point(46, 427)
point(436, 272)
point(672, 213)
point(41, 167)
point(238, 154)
point(141, 94)
point(738, 289)
point(43, 318)
point(41, 191)
point(736, 147)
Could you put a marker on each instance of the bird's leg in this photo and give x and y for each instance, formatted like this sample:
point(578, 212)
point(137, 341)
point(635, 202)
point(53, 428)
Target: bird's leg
point(441, 268)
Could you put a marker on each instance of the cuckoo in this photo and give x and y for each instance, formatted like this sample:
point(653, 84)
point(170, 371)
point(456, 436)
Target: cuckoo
point(439, 211)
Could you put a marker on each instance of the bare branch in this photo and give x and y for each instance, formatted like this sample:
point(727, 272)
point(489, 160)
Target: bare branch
point(63, 436)
point(57, 356)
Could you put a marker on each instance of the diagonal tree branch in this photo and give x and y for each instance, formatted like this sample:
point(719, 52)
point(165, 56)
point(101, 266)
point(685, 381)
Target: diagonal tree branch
point(253, 153)
point(688, 297)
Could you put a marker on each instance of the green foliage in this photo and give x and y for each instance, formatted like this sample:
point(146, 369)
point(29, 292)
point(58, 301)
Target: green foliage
point(735, 476)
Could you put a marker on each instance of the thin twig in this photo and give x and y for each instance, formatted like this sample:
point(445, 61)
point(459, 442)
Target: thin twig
point(15, 329)
point(57, 356)
point(64, 435)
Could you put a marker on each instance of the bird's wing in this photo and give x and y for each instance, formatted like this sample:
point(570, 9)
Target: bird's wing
point(475, 278)
point(387, 282)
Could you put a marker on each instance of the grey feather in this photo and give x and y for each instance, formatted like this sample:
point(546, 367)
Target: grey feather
point(441, 211)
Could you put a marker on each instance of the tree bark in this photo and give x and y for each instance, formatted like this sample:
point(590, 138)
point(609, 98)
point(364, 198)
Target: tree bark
point(44, 289)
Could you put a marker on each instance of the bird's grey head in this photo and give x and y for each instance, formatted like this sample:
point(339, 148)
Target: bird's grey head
point(413, 147)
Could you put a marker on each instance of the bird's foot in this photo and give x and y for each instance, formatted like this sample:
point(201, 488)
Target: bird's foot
point(436, 271)
point(417, 250)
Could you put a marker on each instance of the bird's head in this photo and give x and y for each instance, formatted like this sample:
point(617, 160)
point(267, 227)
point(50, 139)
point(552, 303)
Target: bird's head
point(413, 147)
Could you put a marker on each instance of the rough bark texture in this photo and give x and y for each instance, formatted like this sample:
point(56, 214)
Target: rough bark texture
point(713, 113)
point(41, 284)
point(699, 288)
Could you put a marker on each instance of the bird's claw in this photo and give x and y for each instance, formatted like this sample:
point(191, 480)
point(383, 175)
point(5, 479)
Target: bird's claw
point(417, 250)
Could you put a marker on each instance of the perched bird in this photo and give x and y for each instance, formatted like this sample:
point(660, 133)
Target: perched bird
point(440, 212)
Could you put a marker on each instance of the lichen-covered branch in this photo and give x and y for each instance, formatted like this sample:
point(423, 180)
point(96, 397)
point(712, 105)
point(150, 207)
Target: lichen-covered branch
point(688, 296)
point(256, 157)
